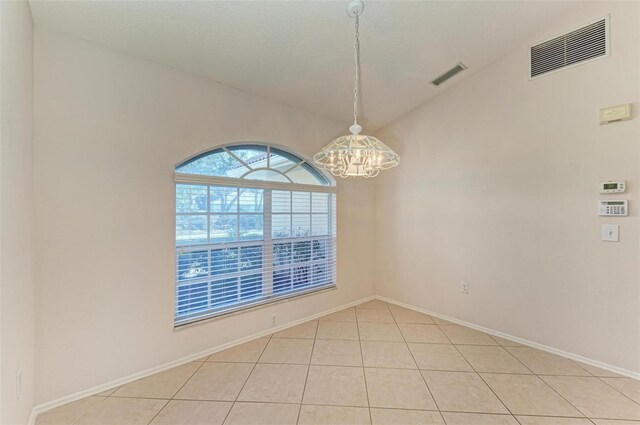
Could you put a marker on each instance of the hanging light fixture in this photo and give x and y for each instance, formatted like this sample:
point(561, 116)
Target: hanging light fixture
point(356, 155)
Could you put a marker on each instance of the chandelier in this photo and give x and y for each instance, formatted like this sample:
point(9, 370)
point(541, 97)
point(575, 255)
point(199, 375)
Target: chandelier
point(356, 155)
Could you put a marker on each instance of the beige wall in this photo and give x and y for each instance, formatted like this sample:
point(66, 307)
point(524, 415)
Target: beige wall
point(109, 129)
point(482, 164)
point(17, 293)
point(498, 187)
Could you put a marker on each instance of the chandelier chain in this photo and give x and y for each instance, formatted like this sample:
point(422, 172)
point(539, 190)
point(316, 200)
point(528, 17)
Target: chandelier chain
point(356, 62)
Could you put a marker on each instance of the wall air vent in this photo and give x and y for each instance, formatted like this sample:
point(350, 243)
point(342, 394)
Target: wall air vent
point(449, 74)
point(573, 48)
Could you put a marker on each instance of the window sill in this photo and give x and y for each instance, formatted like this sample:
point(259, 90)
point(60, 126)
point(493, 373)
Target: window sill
point(243, 309)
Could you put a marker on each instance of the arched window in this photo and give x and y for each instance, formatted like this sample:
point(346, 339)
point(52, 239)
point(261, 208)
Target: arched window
point(254, 224)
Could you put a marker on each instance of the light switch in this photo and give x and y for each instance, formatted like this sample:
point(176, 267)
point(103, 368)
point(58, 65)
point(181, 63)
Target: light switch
point(610, 232)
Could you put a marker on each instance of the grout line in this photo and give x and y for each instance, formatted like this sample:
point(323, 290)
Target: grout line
point(175, 393)
point(369, 367)
point(517, 420)
point(534, 374)
point(377, 367)
point(248, 377)
point(87, 412)
point(304, 387)
point(476, 372)
point(393, 408)
point(161, 409)
point(509, 353)
point(606, 383)
point(364, 374)
point(518, 414)
point(416, 363)
point(187, 381)
point(560, 395)
point(361, 306)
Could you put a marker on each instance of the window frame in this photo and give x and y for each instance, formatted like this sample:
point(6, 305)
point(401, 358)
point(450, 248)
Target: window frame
point(298, 160)
point(267, 240)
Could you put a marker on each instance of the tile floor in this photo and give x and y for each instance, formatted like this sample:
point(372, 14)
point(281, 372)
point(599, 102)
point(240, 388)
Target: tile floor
point(374, 364)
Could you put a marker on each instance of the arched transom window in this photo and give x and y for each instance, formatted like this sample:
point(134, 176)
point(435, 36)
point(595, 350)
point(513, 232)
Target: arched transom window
point(254, 224)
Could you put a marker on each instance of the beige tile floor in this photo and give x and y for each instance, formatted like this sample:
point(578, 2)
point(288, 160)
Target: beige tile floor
point(373, 364)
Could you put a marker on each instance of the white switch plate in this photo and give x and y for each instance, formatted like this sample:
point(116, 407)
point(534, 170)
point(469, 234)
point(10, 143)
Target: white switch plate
point(464, 287)
point(610, 232)
point(18, 384)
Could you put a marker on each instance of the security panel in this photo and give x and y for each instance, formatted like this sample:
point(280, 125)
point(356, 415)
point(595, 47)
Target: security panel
point(613, 186)
point(618, 208)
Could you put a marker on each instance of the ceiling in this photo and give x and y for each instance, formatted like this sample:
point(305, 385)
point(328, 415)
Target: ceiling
point(300, 52)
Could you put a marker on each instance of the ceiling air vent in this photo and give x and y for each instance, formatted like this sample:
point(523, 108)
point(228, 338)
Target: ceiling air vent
point(573, 48)
point(449, 74)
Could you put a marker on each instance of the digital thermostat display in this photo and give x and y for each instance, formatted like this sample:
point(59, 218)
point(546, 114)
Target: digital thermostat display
point(613, 186)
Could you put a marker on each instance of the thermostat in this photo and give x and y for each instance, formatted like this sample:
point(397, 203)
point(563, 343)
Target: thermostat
point(615, 113)
point(613, 208)
point(613, 186)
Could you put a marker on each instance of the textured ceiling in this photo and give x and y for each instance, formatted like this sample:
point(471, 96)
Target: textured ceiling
point(300, 52)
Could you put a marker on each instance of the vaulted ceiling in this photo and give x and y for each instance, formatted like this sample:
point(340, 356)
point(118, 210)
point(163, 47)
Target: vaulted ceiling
point(300, 52)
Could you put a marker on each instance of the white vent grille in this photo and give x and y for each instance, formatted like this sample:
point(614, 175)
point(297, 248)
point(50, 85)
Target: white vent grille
point(573, 48)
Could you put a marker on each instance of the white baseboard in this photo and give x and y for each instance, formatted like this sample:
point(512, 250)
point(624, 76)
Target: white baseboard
point(572, 356)
point(127, 379)
point(32, 418)
point(134, 377)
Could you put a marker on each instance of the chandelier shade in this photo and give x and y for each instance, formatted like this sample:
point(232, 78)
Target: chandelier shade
point(356, 155)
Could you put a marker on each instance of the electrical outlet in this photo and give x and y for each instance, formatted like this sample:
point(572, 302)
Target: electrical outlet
point(464, 287)
point(18, 384)
point(274, 320)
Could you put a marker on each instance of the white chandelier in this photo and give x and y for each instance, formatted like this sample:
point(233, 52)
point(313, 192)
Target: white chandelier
point(356, 155)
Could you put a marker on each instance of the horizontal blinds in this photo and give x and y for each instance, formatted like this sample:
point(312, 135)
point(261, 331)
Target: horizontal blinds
point(240, 246)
